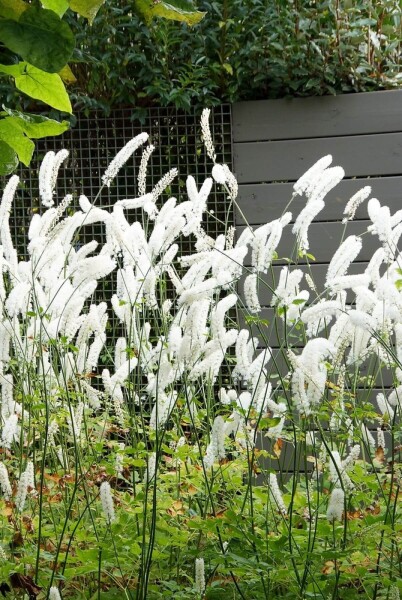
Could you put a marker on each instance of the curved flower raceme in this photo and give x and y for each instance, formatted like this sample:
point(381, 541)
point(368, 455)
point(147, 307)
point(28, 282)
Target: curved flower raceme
point(174, 298)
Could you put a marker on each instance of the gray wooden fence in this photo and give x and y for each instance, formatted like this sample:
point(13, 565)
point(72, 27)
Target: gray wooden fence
point(276, 141)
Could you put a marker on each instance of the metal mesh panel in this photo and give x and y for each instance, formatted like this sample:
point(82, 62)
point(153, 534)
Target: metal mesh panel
point(94, 142)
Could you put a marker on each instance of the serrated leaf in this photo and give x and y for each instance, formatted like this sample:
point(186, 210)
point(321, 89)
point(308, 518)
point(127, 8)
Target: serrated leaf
point(36, 126)
point(57, 6)
point(86, 8)
point(8, 159)
point(40, 37)
point(176, 10)
point(47, 87)
point(12, 134)
point(12, 9)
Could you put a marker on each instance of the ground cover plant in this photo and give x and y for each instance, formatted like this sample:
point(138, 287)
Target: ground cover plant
point(202, 461)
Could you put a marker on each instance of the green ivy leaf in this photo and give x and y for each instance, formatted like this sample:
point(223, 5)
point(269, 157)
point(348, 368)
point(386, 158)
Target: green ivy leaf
point(176, 10)
point(36, 126)
point(8, 159)
point(40, 37)
point(47, 87)
point(57, 6)
point(12, 134)
point(86, 8)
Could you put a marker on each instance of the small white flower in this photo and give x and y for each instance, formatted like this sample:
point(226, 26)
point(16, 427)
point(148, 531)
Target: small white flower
point(10, 431)
point(22, 491)
point(336, 505)
point(54, 594)
point(219, 174)
point(122, 157)
point(199, 575)
point(206, 134)
point(5, 482)
point(107, 502)
point(251, 293)
point(276, 494)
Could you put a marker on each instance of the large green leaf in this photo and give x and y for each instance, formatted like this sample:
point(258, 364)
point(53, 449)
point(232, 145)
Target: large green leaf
point(177, 10)
point(12, 70)
point(12, 134)
point(86, 8)
point(40, 37)
point(12, 9)
point(36, 126)
point(57, 6)
point(8, 159)
point(47, 87)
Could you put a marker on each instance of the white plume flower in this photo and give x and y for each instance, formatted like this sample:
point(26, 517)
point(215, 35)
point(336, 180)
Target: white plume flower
point(276, 494)
point(199, 576)
point(219, 174)
point(5, 482)
point(107, 502)
point(354, 203)
point(336, 505)
point(54, 594)
point(122, 157)
point(206, 134)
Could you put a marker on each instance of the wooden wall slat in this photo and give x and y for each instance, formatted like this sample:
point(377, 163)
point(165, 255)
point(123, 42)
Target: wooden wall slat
point(324, 240)
point(292, 118)
point(260, 203)
point(279, 367)
point(360, 156)
point(269, 281)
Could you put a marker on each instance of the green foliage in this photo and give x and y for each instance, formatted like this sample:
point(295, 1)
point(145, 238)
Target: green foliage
point(40, 38)
point(177, 10)
point(38, 44)
point(241, 50)
point(47, 87)
point(45, 43)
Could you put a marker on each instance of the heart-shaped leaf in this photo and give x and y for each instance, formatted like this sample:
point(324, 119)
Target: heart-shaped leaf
point(8, 159)
point(12, 134)
point(47, 87)
point(37, 126)
point(40, 37)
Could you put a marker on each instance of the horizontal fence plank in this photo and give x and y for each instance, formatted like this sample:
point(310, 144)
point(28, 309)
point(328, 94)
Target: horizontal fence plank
point(269, 281)
point(291, 118)
point(324, 240)
point(278, 368)
point(260, 203)
point(360, 156)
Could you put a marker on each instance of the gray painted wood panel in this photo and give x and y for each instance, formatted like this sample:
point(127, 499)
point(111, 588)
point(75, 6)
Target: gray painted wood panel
point(360, 156)
point(260, 203)
point(292, 118)
point(269, 281)
point(274, 143)
point(324, 240)
point(278, 367)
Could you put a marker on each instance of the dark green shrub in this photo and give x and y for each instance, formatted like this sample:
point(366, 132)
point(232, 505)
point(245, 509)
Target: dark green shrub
point(243, 49)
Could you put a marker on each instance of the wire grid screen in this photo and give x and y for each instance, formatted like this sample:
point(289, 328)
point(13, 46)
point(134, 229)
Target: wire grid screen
point(93, 143)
